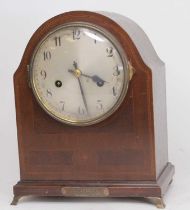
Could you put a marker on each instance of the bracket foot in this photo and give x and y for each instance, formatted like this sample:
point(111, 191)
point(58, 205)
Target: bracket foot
point(159, 202)
point(15, 200)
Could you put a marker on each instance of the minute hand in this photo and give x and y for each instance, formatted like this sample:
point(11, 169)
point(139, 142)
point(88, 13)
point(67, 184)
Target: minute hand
point(82, 93)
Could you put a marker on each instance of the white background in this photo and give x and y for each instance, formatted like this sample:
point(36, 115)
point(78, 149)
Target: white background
point(167, 23)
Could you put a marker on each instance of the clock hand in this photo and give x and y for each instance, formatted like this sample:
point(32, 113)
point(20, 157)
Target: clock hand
point(83, 96)
point(95, 78)
point(75, 64)
point(77, 72)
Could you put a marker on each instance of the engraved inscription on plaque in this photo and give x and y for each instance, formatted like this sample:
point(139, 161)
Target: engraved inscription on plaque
point(85, 191)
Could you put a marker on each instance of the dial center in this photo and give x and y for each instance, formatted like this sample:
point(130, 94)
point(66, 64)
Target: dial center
point(77, 72)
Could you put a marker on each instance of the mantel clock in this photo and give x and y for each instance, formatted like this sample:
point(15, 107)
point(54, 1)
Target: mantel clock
point(91, 111)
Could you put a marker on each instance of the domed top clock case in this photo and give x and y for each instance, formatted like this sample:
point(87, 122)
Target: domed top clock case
point(91, 110)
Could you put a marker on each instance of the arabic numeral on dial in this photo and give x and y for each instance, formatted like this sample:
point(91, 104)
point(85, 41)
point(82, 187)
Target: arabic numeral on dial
point(114, 91)
point(62, 105)
point(117, 71)
point(99, 105)
point(81, 111)
point(57, 41)
point(95, 41)
point(48, 93)
point(109, 51)
point(43, 74)
point(47, 55)
point(76, 34)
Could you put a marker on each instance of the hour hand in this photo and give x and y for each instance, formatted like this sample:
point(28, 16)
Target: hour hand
point(100, 82)
point(95, 78)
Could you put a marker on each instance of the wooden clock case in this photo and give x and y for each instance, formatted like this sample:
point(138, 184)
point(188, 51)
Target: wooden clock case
point(123, 156)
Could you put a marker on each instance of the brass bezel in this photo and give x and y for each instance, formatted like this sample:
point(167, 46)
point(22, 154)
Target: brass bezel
point(124, 59)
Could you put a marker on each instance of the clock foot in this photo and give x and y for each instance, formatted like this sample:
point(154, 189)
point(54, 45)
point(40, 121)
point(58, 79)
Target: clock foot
point(15, 200)
point(159, 202)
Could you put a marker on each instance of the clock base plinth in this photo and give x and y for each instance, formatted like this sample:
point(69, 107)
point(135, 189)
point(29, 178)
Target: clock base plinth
point(153, 190)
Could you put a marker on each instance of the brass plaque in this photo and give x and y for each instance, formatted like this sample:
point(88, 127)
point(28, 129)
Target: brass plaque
point(85, 191)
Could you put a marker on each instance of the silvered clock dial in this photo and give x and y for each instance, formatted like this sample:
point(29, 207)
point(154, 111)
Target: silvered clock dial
point(79, 74)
